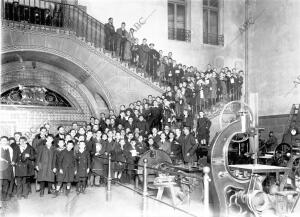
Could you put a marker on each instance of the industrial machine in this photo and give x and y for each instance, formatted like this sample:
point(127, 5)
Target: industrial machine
point(241, 185)
point(246, 188)
point(180, 179)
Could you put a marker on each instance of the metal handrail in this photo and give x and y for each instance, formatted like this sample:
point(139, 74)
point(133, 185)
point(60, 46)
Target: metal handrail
point(49, 14)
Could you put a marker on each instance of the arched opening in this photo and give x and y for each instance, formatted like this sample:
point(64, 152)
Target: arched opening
point(40, 87)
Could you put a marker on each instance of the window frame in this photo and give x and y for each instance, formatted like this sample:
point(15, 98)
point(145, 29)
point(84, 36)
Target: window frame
point(175, 4)
point(210, 9)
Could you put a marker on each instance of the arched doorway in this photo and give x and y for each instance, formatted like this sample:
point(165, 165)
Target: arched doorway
point(31, 81)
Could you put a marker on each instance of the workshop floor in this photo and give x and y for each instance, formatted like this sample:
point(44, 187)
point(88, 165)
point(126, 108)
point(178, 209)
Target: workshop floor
point(123, 202)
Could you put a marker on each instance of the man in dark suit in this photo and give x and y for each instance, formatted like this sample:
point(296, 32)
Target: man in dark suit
point(203, 126)
point(155, 116)
point(143, 54)
point(153, 58)
point(110, 33)
point(122, 36)
point(189, 146)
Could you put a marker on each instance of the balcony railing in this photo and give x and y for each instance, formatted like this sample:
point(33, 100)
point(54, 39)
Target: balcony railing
point(214, 39)
point(179, 34)
point(48, 14)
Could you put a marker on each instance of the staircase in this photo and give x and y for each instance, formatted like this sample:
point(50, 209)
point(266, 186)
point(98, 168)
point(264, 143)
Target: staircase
point(66, 19)
point(73, 43)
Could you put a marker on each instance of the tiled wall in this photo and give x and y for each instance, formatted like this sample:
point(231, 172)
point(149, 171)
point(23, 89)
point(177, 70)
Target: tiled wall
point(26, 118)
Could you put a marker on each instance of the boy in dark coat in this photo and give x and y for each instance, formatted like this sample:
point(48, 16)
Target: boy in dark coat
point(142, 125)
point(131, 158)
point(119, 159)
point(23, 169)
point(45, 165)
point(66, 167)
point(97, 164)
point(82, 167)
point(176, 152)
point(58, 152)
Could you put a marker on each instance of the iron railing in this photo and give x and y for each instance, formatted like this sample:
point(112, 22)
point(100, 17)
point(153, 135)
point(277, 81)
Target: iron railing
point(179, 34)
point(48, 14)
point(214, 39)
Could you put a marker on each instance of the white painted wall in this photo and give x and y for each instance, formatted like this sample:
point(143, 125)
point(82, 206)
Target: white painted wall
point(156, 28)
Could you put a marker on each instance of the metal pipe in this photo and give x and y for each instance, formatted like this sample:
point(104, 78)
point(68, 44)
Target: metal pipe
point(145, 193)
point(206, 181)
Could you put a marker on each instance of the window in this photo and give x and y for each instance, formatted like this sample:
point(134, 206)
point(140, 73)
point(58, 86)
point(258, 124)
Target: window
point(211, 33)
point(177, 21)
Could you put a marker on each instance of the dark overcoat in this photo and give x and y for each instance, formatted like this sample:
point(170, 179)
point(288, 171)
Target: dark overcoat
point(98, 160)
point(83, 163)
point(5, 164)
point(46, 163)
point(67, 163)
point(24, 166)
point(189, 146)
